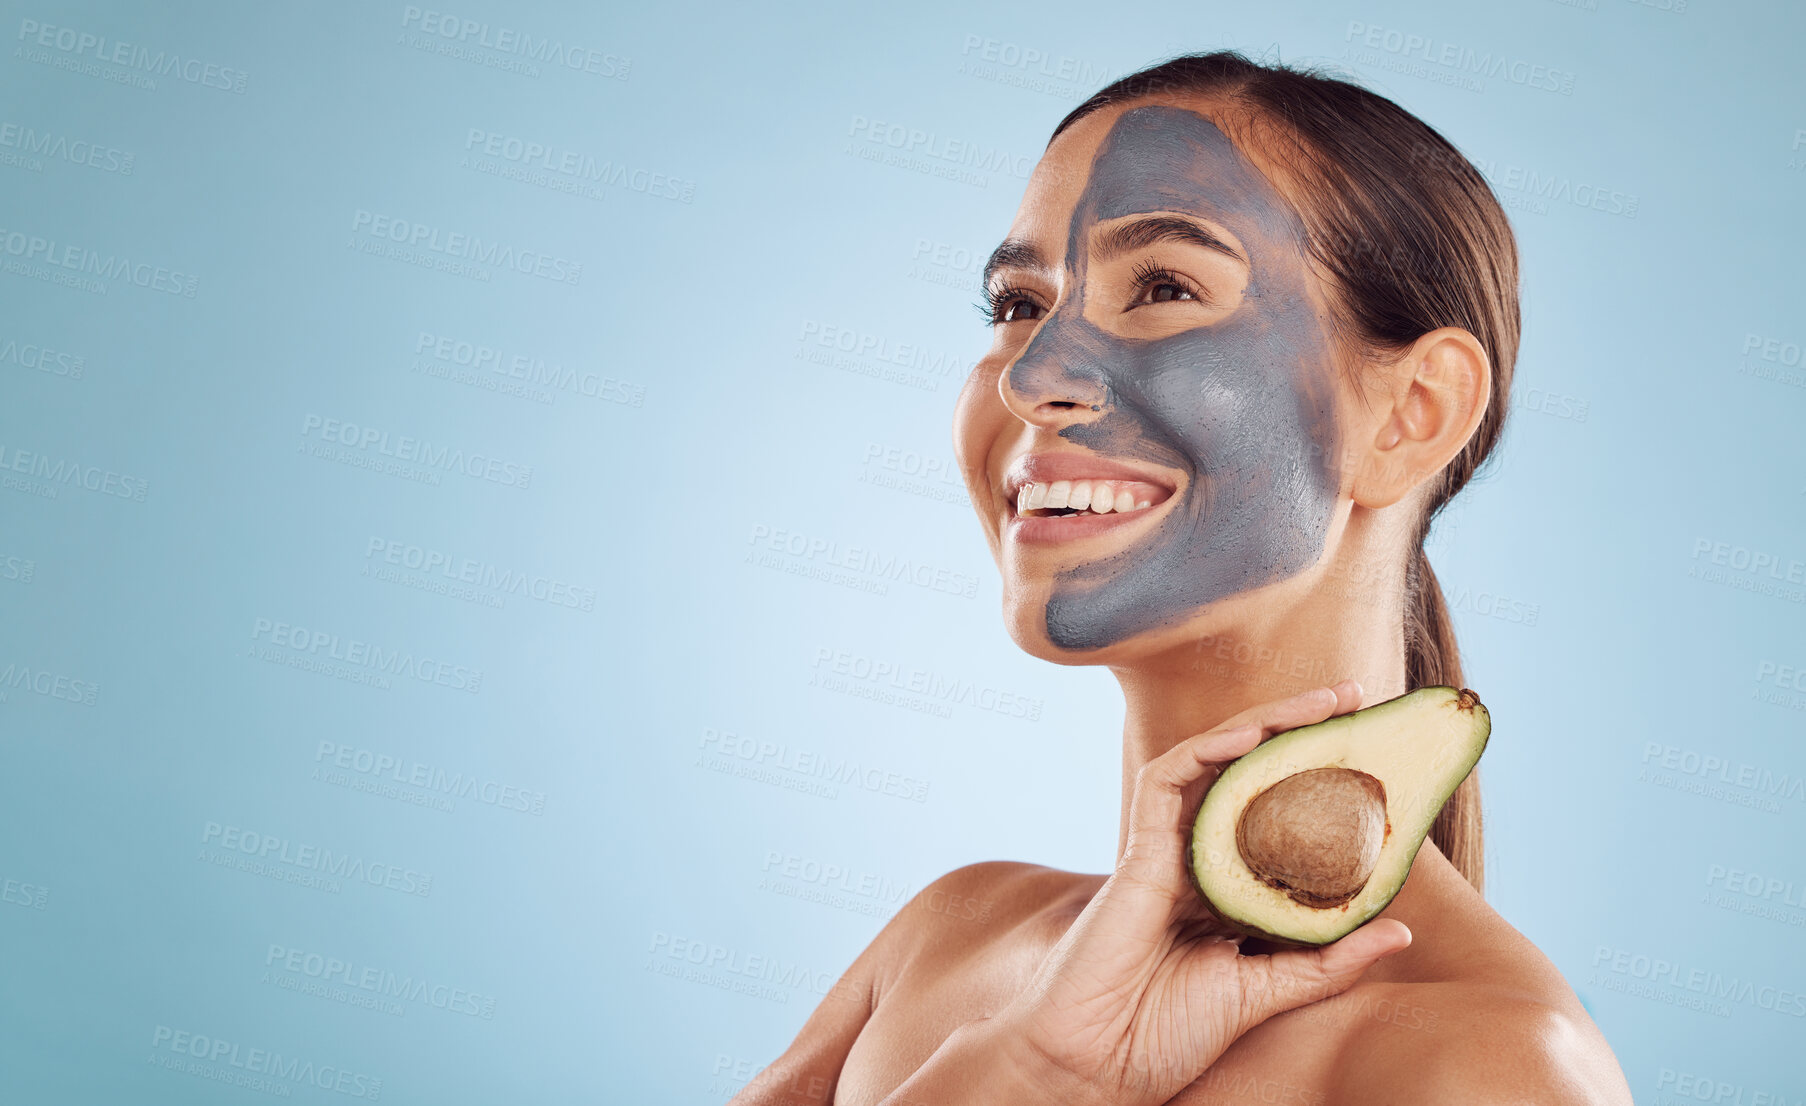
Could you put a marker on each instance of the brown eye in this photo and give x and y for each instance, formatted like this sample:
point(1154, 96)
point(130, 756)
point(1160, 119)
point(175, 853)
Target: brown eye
point(1017, 309)
point(1159, 285)
point(1008, 305)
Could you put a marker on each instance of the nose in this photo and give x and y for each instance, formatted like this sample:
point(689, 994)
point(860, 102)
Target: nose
point(1061, 377)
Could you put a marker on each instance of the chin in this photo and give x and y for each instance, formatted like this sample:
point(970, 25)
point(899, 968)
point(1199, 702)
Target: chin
point(1025, 617)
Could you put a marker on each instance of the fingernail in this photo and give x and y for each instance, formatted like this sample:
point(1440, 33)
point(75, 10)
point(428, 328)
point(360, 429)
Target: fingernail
point(1368, 943)
point(1398, 948)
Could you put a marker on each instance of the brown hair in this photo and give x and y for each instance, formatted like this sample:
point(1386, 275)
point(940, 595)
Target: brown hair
point(1410, 238)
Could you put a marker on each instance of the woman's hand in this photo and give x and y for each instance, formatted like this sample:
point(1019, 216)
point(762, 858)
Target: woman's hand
point(1146, 989)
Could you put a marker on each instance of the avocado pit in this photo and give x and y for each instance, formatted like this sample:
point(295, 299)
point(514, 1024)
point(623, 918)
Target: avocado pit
point(1315, 835)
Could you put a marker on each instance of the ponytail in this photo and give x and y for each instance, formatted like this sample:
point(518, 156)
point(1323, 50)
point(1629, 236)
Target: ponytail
point(1432, 658)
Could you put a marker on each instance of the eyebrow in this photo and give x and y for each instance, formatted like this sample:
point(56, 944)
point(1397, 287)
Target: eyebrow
point(1014, 253)
point(1120, 239)
point(1141, 233)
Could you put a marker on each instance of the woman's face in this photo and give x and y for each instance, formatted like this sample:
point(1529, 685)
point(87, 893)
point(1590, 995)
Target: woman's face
point(1160, 339)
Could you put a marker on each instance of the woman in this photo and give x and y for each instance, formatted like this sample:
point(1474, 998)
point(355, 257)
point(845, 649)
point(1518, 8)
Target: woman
point(1254, 327)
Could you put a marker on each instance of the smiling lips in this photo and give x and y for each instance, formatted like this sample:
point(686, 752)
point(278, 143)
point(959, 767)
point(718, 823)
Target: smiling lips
point(1062, 496)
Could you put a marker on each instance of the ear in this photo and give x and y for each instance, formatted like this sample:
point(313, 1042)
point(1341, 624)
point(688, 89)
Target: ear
point(1438, 392)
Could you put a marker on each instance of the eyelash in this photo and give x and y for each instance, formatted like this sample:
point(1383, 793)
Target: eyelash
point(992, 304)
point(1147, 273)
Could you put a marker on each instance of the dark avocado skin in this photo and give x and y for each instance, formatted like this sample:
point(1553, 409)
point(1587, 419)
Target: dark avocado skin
point(1466, 699)
point(1247, 930)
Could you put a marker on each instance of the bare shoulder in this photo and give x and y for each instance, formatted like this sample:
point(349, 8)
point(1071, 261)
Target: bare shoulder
point(1488, 1046)
point(1503, 1026)
point(1007, 885)
point(990, 899)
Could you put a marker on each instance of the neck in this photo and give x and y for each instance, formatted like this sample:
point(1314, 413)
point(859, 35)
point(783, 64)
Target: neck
point(1333, 631)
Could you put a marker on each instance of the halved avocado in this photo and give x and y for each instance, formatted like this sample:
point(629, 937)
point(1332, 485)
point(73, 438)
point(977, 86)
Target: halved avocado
point(1313, 832)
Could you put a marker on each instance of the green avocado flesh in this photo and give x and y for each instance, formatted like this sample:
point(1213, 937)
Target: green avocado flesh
point(1313, 831)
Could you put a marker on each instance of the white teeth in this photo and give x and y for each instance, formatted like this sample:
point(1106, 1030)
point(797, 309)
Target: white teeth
point(1097, 496)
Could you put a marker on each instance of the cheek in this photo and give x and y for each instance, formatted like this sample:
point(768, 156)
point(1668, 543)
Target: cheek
point(1226, 406)
point(977, 418)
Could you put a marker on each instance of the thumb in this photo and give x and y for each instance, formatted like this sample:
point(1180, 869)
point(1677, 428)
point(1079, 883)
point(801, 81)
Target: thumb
point(1287, 980)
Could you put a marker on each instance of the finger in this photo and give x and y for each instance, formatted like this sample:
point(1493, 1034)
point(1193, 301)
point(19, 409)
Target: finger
point(1193, 758)
point(1309, 707)
point(1155, 852)
point(1157, 804)
point(1302, 709)
point(1285, 981)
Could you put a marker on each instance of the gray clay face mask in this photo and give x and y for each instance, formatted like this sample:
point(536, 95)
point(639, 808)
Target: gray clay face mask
point(1244, 406)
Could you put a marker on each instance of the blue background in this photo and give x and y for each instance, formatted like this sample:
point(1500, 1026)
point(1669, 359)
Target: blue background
point(623, 518)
